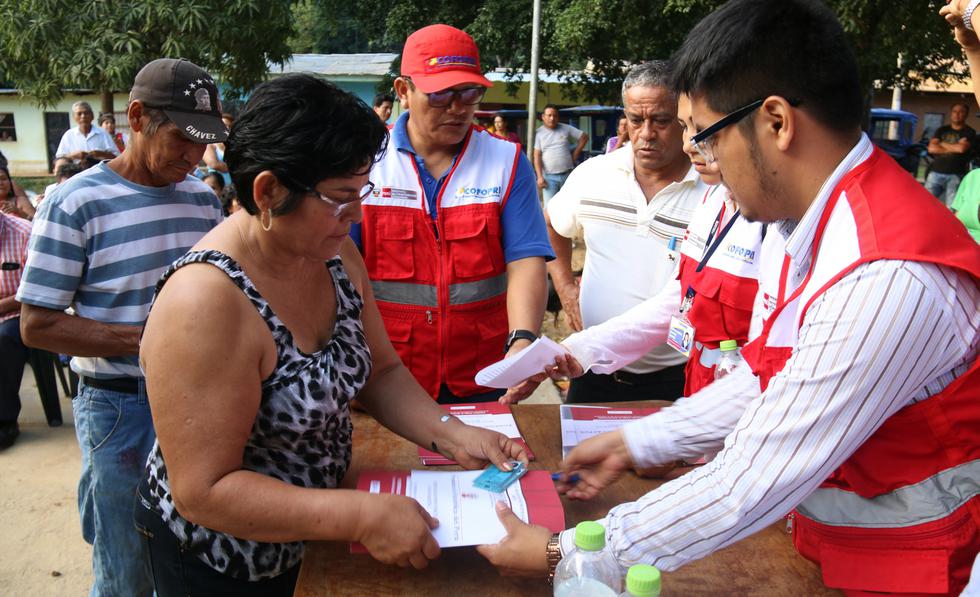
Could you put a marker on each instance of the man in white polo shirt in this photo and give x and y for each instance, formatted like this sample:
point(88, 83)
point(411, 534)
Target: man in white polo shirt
point(84, 140)
point(633, 206)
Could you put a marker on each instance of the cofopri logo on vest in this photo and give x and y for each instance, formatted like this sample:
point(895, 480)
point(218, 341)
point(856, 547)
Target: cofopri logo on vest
point(464, 192)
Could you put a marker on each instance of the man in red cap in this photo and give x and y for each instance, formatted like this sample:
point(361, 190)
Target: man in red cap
point(453, 235)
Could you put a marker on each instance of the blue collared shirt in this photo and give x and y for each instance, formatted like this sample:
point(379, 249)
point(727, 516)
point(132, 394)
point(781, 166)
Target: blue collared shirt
point(522, 222)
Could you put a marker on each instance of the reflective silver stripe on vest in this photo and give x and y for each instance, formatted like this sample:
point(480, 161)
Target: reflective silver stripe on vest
point(471, 292)
point(422, 295)
point(926, 501)
point(405, 293)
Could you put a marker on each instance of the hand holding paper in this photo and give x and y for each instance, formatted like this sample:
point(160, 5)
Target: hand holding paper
point(529, 362)
point(397, 530)
point(522, 551)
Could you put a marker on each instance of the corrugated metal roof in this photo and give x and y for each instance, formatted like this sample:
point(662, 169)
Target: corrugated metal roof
point(376, 65)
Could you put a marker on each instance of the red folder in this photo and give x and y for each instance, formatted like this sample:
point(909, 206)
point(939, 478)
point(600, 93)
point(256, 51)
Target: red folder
point(543, 504)
point(462, 411)
point(597, 413)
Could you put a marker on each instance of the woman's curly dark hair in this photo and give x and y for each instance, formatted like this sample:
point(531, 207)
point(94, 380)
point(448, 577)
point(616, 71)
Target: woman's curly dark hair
point(304, 130)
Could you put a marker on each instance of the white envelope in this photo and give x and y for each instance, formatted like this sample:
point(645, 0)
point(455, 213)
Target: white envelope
point(531, 360)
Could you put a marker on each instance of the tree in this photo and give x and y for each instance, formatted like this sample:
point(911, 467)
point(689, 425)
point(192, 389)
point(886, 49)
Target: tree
point(880, 31)
point(592, 42)
point(49, 46)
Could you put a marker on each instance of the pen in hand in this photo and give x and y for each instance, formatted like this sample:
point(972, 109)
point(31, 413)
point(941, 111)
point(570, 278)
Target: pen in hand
point(572, 479)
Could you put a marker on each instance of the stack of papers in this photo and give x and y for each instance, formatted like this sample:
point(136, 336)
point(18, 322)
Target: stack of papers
point(511, 371)
point(579, 423)
point(467, 515)
point(489, 415)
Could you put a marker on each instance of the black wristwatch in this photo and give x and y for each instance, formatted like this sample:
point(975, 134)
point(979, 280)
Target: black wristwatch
point(516, 335)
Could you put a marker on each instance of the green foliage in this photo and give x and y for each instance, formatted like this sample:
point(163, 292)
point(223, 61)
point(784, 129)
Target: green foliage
point(51, 45)
point(880, 31)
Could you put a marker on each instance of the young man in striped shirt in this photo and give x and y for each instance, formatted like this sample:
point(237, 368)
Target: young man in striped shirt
point(100, 243)
point(860, 409)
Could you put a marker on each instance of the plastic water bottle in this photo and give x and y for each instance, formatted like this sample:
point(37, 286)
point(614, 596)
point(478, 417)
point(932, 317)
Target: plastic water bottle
point(642, 581)
point(730, 360)
point(589, 570)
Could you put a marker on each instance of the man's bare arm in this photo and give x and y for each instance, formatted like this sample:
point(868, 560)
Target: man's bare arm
point(59, 332)
point(577, 153)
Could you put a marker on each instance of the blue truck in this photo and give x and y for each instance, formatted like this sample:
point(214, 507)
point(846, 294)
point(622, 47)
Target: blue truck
point(894, 132)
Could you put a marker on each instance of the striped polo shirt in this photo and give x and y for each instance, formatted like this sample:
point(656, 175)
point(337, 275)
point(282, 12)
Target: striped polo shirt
point(101, 242)
point(627, 239)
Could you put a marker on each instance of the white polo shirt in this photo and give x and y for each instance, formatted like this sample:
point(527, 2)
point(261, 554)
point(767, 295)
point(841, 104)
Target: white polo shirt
point(97, 140)
point(626, 237)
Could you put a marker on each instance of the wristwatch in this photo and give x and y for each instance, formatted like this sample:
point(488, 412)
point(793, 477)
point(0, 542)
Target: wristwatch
point(968, 14)
point(516, 335)
point(553, 553)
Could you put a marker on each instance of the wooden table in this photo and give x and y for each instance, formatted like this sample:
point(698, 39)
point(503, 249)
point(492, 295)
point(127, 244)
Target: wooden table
point(764, 564)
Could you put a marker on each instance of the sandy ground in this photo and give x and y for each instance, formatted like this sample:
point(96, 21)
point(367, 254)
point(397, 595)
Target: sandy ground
point(42, 552)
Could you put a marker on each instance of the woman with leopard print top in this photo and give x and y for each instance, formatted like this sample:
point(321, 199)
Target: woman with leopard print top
point(258, 340)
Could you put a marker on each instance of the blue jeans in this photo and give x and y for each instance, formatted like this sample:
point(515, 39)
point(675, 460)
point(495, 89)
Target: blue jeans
point(115, 434)
point(13, 355)
point(555, 183)
point(943, 186)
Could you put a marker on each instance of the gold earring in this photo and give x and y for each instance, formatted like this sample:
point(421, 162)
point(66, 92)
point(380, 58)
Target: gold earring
point(266, 227)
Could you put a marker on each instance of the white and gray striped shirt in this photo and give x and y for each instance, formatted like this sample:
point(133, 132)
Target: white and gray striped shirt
point(888, 334)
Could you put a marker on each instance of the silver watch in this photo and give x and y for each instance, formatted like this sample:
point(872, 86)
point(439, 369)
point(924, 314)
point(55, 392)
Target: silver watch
point(968, 14)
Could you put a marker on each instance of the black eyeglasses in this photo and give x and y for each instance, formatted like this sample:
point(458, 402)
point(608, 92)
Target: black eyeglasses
point(702, 141)
point(469, 96)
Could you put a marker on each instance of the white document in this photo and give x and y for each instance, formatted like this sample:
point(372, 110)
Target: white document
point(478, 416)
point(467, 515)
point(579, 422)
point(530, 361)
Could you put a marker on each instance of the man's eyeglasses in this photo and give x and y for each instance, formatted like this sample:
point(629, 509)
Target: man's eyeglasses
point(703, 142)
point(341, 207)
point(468, 97)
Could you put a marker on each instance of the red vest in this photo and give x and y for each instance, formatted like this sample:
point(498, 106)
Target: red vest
point(725, 288)
point(901, 514)
point(441, 285)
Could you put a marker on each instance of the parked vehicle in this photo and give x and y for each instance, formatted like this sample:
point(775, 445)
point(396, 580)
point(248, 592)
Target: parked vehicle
point(894, 132)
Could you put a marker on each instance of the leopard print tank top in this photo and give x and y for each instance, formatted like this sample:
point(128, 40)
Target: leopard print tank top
point(302, 431)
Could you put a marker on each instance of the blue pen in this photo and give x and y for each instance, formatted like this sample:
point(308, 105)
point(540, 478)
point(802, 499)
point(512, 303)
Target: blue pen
point(572, 479)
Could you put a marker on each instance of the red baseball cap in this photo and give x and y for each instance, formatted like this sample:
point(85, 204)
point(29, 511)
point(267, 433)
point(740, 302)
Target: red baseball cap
point(438, 57)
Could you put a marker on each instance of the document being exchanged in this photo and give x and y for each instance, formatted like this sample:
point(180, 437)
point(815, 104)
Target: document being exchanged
point(513, 370)
point(467, 515)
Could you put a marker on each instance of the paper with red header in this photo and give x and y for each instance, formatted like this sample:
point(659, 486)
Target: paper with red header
point(467, 515)
point(531, 360)
point(488, 415)
point(579, 423)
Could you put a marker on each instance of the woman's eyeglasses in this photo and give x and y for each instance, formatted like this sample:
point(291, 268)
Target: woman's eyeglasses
point(341, 207)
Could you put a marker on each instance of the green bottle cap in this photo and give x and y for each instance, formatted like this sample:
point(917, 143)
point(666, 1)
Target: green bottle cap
point(590, 536)
point(729, 345)
point(643, 581)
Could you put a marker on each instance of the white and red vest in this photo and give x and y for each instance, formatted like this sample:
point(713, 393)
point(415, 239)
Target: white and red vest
point(901, 514)
point(725, 287)
point(441, 284)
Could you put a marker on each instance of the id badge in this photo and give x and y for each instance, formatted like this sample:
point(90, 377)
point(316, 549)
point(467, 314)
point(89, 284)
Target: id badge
point(680, 337)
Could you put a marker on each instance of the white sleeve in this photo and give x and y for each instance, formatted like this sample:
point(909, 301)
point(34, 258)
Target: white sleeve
point(63, 146)
point(107, 143)
point(888, 334)
point(617, 342)
point(563, 207)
